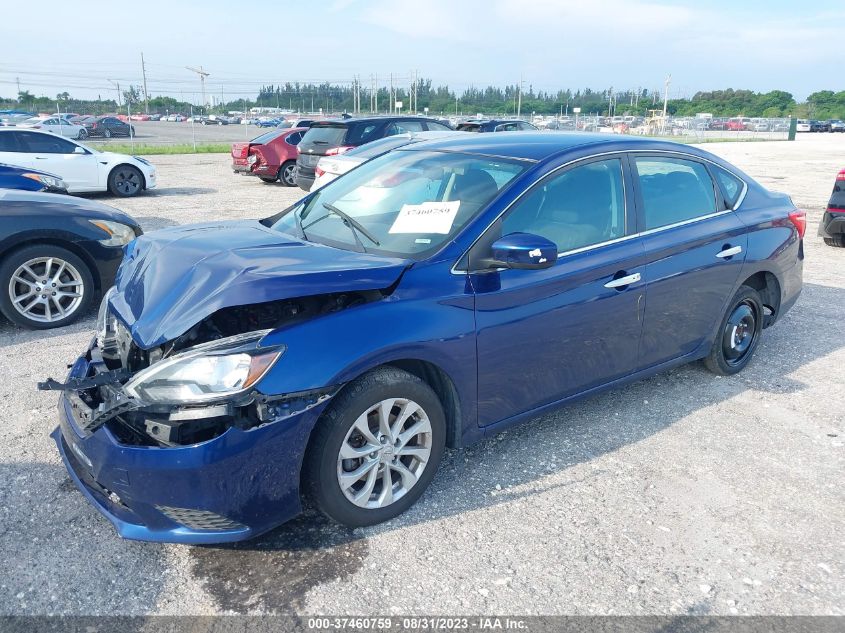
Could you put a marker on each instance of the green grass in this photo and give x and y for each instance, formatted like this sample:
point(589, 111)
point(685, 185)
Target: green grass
point(141, 149)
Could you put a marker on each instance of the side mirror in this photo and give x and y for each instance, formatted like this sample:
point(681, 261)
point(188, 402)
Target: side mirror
point(524, 251)
point(79, 150)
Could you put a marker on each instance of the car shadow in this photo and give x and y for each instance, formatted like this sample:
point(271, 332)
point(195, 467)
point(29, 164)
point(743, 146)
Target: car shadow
point(179, 191)
point(255, 574)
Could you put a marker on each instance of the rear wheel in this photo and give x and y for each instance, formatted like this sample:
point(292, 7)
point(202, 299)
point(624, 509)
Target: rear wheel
point(738, 335)
point(287, 174)
point(837, 241)
point(44, 286)
point(376, 449)
point(125, 181)
point(82, 135)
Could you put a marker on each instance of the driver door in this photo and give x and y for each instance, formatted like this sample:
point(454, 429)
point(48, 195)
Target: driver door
point(544, 335)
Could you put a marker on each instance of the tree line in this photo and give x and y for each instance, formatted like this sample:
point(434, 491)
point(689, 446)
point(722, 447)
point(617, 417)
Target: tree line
point(441, 100)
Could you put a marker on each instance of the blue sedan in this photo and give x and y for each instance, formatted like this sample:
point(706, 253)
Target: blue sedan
point(431, 297)
point(24, 179)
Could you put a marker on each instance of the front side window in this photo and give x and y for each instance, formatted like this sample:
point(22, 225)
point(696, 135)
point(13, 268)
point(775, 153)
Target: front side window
point(410, 202)
point(46, 143)
point(674, 190)
point(582, 206)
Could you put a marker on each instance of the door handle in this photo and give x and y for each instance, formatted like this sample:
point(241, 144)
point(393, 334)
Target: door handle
point(623, 281)
point(40, 158)
point(729, 252)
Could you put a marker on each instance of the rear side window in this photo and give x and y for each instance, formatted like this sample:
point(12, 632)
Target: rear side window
point(46, 143)
point(362, 133)
point(401, 127)
point(674, 190)
point(730, 184)
point(326, 134)
point(9, 142)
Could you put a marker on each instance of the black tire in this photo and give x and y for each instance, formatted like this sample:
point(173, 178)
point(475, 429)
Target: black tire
point(738, 334)
point(837, 241)
point(287, 173)
point(107, 133)
point(126, 181)
point(320, 468)
point(82, 135)
point(14, 260)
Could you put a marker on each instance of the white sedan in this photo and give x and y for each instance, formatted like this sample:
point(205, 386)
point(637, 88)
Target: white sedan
point(56, 125)
point(84, 169)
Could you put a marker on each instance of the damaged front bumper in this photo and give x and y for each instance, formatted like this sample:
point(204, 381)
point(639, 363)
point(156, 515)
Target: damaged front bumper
point(228, 488)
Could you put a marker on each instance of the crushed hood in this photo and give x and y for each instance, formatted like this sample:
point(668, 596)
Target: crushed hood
point(172, 279)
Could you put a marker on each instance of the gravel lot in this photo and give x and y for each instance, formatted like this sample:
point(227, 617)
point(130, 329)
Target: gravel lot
point(684, 493)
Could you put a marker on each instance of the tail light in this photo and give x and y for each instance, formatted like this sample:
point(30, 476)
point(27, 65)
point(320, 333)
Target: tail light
point(841, 175)
point(799, 219)
point(319, 171)
point(339, 150)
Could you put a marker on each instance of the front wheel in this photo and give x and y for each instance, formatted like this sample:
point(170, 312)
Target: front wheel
point(287, 174)
point(739, 333)
point(107, 133)
point(44, 286)
point(125, 181)
point(376, 448)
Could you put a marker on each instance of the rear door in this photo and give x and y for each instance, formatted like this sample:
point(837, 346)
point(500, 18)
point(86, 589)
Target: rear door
point(694, 247)
point(58, 156)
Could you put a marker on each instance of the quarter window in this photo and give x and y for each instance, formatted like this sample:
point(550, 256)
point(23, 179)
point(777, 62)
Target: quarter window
point(584, 205)
point(674, 190)
point(731, 185)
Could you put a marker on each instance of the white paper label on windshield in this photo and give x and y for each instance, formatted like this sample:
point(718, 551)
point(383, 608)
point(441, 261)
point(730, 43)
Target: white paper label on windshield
point(428, 217)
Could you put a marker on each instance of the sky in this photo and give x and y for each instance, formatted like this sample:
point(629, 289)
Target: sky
point(89, 48)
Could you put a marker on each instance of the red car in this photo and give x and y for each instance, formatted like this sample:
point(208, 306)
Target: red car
point(271, 156)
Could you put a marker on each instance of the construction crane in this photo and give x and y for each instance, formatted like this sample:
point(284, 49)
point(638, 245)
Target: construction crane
point(202, 75)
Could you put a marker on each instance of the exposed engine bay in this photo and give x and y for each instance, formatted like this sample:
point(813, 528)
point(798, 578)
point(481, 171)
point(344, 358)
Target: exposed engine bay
point(101, 398)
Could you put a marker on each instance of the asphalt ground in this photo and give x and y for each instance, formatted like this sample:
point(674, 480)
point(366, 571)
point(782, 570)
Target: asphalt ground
point(682, 494)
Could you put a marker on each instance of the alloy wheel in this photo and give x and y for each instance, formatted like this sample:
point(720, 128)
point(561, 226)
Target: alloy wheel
point(46, 289)
point(288, 174)
point(127, 181)
point(384, 453)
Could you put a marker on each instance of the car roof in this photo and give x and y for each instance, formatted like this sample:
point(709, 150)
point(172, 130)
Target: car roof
point(375, 119)
point(540, 146)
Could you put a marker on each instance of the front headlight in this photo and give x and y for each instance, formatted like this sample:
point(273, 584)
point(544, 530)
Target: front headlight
point(47, 181)
point(119, 234)
point(206, 372)
point(106, 321)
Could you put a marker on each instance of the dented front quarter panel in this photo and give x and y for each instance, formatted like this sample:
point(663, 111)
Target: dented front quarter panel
point(172, 279)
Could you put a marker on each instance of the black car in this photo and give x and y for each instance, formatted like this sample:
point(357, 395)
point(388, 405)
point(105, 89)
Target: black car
point(108, 126)
point(820, 126)
point(495, 125)
point(335, 136)
point(832, 226)
point(56, 253)
point(13, 177)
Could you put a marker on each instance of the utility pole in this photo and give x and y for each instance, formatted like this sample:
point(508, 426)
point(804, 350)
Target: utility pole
point(146, 95)
point(117, 86)
point(519, 102)
point(18, 80)
point(392, 96)
point(202, 75)
point(665, 100)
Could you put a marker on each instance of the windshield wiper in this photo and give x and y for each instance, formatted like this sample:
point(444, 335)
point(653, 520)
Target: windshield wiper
point(349, 221)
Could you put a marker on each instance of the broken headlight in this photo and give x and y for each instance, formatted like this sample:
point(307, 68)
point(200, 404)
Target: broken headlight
point(206, 372)
point(106, 320)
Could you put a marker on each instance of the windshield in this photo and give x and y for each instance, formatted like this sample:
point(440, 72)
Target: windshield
point(405, 203)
